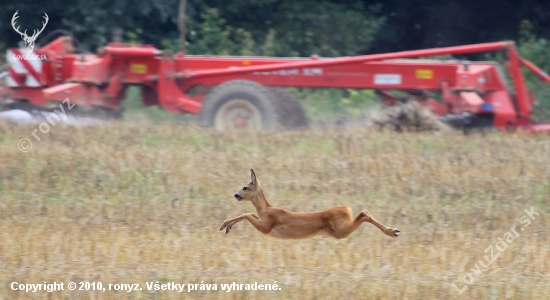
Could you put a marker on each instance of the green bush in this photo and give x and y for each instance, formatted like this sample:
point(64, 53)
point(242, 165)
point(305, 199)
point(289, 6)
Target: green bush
point(212, 36)
point(135, 110)
point(536, 50)
point(330, 105)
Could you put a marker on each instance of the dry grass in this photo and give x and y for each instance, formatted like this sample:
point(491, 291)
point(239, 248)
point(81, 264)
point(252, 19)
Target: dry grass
point(136, 203)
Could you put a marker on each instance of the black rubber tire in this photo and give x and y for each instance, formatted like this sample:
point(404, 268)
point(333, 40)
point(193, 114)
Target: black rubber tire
point(291, 112)
point(252, 92)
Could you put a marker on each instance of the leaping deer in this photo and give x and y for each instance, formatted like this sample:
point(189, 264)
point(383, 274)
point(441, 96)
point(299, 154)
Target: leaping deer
point(336, 222)
point(29, 40)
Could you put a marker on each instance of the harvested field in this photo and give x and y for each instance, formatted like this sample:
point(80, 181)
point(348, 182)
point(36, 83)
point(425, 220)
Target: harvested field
point(137, 203)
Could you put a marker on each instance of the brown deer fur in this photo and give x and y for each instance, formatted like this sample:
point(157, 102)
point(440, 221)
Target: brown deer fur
point(336, 222)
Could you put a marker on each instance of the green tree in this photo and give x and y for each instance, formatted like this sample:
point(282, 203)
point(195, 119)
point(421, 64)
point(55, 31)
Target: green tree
point(211, 35)
point(302, 28)
point(92, 22)
point(536, 50)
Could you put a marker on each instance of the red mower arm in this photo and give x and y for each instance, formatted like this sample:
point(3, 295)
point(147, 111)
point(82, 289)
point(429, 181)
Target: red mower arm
point(531, 66)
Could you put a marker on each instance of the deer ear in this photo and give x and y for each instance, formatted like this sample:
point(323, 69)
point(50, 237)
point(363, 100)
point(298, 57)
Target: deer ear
point(253, 177)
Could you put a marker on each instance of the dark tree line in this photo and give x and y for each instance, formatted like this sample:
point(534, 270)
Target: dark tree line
point(284, 27)
point(430, 23)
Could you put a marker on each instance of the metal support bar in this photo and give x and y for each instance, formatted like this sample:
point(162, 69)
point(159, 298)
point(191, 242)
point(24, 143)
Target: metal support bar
point(354, 60)
point(531, 66)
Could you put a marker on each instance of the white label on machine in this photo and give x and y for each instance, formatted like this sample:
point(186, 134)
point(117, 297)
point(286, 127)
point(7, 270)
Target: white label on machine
point(387, 79)
point(24, 69)
point(312, 71)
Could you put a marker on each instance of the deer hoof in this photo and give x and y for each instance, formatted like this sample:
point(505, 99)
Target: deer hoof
point(224, 224)
point(392, 232)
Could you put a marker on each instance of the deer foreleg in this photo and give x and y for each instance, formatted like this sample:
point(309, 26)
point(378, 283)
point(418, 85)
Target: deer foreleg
point(227, 224)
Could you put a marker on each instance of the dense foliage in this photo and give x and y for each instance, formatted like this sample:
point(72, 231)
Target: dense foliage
point(288, 27)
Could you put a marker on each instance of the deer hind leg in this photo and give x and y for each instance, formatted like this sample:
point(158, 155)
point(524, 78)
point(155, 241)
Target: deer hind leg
point(344, 225)
point(367, 217)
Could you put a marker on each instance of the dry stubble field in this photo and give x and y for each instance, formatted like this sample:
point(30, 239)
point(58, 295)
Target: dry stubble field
point(137, 203)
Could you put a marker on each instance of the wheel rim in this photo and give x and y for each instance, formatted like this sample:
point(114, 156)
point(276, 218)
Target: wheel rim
point(238, 114)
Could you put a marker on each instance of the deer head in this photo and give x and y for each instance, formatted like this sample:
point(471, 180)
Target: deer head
point(29, 40)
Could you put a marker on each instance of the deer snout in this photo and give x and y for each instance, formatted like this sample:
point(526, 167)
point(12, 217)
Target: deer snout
point(238, 197)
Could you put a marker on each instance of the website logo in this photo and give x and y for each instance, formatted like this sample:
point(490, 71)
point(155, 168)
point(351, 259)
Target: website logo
point(29, 40)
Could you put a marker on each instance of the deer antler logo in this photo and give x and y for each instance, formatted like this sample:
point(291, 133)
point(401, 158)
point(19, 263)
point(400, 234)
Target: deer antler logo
point(29, 40)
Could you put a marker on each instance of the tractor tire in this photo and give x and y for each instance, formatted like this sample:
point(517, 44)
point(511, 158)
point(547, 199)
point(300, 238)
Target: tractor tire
point(240, 104)
point(291, 112)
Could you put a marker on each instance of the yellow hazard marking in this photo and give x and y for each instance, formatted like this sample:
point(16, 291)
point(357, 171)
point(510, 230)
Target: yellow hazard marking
point(138, 68)
point(424, 74)
point(246, 63)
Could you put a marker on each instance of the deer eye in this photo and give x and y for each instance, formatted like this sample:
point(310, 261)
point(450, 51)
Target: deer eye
point(245, 188)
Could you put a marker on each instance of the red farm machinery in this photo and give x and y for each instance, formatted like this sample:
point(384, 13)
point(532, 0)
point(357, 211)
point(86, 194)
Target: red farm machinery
point(231, 92)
